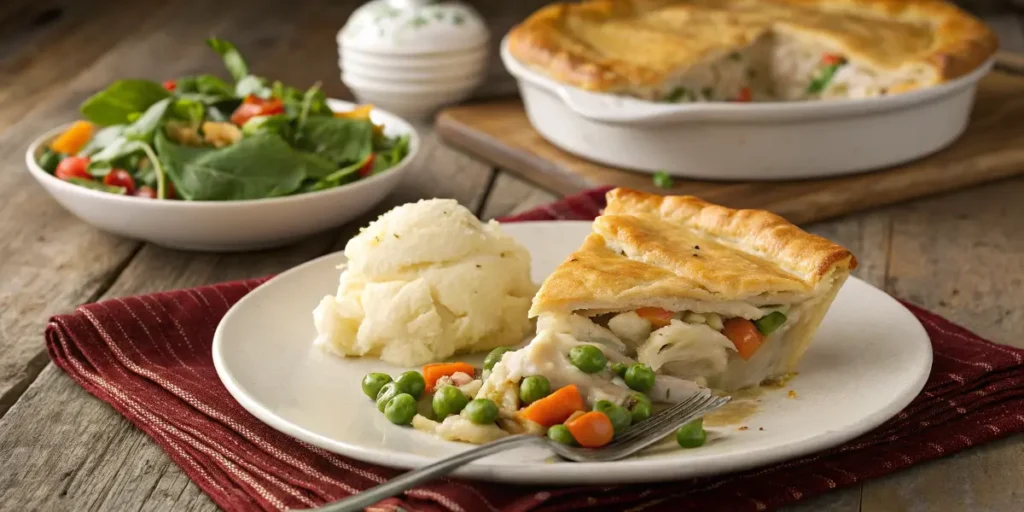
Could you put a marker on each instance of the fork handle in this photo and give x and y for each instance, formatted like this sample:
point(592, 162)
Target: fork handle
point(426, 473)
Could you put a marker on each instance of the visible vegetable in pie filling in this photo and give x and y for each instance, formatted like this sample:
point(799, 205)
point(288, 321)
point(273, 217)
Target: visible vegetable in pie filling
point(752, 50)
point(694, 291)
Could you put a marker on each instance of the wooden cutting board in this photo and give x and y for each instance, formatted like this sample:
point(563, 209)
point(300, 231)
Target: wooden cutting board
point(992, 148)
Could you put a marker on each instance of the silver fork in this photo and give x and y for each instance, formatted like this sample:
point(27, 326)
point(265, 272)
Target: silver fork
point(635, 439)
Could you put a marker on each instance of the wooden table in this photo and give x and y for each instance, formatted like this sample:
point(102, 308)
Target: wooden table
point(961, 255)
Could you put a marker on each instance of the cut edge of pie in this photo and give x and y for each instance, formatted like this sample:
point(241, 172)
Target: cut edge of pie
point(762, 56)
point(667, 275)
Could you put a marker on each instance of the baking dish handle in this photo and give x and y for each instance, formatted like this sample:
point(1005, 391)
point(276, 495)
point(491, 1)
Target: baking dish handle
point(608, 108)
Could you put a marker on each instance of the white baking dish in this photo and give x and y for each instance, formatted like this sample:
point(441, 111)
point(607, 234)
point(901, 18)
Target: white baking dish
point(746, 141)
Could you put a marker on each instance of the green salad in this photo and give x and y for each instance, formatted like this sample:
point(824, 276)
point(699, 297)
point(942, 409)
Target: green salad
point(201, 138)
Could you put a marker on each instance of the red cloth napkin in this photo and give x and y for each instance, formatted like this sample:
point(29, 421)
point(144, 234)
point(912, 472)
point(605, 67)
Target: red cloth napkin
point(149, 358)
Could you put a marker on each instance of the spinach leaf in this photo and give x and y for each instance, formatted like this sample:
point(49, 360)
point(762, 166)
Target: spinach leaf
point(306, 105)
point(103, 138)
point(343, 141)
point(145, 126)
point(123, 98)
point(208, 86)
point(347, 174)
point(233, 59)
point(390, 154)
point(189, 110)
point(315, 166)
point(251, 84)
point(95, 185)
point(256, 167)
point(277, 124)
point(120, 147)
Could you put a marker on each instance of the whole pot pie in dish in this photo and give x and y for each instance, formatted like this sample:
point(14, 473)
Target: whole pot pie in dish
point(725, 298)
point(752, 50)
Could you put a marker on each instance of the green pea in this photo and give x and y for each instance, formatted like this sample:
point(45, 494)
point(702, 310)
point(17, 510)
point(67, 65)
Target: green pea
point(769, 323)
point(481, 411)
point(373, 382)
point(588, 358)
point(401, 409)
point(641, 411)
point(662, 179)
point(534, 388)
point(640, 377)
point(448, 400)
point(494, 357)
point(618, 369)
point(621, 418)
point(389, 391)
point(561, 434)
point(411, 382)
point(692, 435)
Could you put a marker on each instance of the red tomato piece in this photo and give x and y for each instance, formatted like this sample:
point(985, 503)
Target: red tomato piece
point(830, 59)
point(120, 178)
point(367, 168)
point(145, 191)
point(169, 192)
point(254, 106)
point(73, 167)
point(245, 112)
point(170, 85)
point(745, 95)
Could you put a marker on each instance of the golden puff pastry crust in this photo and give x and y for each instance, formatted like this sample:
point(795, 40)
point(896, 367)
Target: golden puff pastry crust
point(629, 45)
point(648, 250)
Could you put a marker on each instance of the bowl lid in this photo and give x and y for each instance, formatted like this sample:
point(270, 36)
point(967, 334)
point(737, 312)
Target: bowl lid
point(414, 27)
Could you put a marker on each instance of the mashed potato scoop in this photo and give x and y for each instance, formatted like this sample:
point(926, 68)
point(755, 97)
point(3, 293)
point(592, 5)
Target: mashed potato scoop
point(425, 281)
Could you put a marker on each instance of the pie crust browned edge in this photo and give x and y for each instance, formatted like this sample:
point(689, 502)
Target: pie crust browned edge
point(810, 258)
point(962, 41)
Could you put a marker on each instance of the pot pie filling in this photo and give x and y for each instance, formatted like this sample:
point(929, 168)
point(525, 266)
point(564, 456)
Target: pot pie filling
point(745, 50)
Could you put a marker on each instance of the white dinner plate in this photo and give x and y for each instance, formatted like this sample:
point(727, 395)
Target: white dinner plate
point(870, 358)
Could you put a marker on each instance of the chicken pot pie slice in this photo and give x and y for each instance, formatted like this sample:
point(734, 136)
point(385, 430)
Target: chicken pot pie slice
point(727, 298)
point(752, 50)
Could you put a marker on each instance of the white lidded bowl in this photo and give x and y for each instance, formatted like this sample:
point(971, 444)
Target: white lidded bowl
point(228, 225)
point(746, 141)
point(446, 61)
point(409, 102)
point(406, 27)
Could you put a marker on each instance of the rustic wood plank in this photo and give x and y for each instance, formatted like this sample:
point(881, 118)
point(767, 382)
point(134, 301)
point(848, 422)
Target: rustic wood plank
point(51, 43)
point(511, 195)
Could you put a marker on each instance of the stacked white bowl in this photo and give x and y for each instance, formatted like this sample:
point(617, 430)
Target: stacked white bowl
point(412, 57)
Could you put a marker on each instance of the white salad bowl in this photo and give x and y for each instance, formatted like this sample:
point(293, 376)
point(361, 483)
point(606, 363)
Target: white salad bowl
point(228, 225)
point(746, 141)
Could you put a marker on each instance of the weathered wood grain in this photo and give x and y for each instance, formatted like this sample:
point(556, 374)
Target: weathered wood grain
point(64, 450)
point(511, 195)
point(51, 261)
point(55, 45)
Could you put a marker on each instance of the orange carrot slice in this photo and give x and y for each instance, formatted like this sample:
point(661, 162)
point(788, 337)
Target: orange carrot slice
point(73, 139)
point(433, 372)
point(591, 430)
point(554, 408)
point(658, 317)
point(744, 335)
